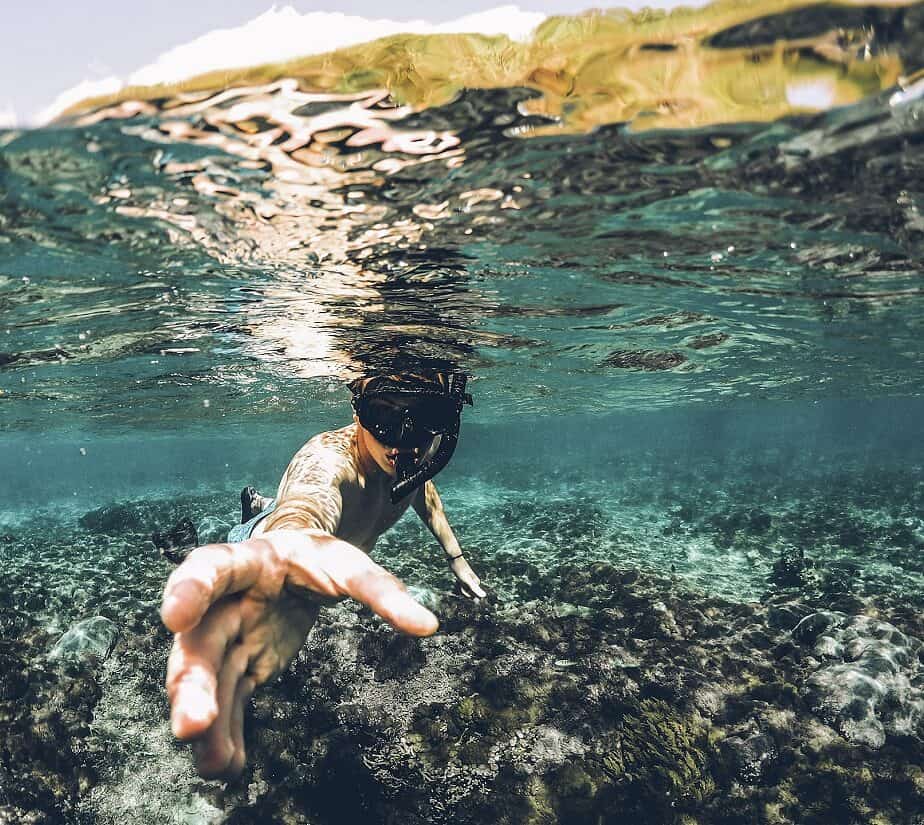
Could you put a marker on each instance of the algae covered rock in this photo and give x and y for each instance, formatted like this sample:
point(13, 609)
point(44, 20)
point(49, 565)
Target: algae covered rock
point(93, 637)
point(659, 759)
point(749, 758)
point(113, 519)
point(791, 569)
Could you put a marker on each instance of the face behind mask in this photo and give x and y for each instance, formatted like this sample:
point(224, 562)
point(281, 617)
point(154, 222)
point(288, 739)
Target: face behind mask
point(409, 419)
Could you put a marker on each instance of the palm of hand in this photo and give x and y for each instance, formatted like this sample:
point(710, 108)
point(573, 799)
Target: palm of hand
point(272, 630)
point(240, 614)
point(244, 640)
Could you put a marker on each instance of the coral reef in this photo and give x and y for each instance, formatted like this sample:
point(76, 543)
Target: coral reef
point(868, 684)
point(586, 689)
point(47, 752)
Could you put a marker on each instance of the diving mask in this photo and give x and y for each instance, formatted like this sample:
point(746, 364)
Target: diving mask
point(413, 415)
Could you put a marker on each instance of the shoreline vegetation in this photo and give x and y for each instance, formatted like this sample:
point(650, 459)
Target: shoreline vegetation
point(687, 68)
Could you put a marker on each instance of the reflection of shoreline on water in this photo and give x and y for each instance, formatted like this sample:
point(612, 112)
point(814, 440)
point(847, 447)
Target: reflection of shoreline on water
point(729, 62)
point(308, 205)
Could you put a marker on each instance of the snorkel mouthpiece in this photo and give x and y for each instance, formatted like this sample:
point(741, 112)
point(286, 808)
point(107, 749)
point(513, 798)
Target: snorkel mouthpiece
point(412, 475)
point(405, 465)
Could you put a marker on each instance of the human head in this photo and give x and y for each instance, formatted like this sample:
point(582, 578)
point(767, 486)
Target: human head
point(410, 422)
point(386, 456)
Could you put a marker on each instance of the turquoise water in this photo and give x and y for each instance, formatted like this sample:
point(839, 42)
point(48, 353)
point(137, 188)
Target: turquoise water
point(695, 354)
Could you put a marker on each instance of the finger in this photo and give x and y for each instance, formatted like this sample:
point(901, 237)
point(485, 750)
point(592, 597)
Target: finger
point(192, 671)
point(215, 750)
point(245, 688)
point(336, 568)
point(208, 573)
point(477, 590)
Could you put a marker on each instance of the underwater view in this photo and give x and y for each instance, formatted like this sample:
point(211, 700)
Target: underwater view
point(677, 256)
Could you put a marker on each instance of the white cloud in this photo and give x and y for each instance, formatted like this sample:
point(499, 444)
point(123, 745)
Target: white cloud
point(282, 34)
point(8, 119)
point(83, 90)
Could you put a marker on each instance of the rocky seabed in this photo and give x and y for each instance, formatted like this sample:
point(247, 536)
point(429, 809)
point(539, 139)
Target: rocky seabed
point(585, 693)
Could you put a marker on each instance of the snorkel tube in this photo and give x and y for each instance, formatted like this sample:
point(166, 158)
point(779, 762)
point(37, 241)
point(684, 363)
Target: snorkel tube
point(412, 474)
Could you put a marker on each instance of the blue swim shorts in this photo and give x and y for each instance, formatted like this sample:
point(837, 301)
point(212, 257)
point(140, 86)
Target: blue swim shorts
point(244, 531)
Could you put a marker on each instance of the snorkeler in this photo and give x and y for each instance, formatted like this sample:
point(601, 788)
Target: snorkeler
point(241, 611)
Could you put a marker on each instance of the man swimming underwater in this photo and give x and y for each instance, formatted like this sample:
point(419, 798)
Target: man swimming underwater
point(241, 611)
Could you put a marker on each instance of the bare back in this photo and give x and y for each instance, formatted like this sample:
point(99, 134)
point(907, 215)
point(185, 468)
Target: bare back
point(324, 488)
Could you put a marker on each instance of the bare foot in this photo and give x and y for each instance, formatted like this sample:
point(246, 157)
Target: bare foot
point(252, 503)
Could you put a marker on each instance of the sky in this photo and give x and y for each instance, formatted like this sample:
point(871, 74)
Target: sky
point(52, 46)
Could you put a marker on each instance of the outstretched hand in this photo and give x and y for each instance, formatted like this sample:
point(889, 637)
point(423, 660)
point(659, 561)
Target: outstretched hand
point(241, 612)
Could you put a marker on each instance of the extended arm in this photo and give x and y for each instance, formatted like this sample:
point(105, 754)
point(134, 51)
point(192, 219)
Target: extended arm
point(240, 612)
point(429, 507)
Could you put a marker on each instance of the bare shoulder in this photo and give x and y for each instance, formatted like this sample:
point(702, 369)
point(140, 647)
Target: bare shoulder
point(324, 459)
point(309, 494)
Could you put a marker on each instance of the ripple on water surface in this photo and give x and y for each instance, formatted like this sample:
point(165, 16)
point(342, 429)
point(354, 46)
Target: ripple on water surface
point(222, 254)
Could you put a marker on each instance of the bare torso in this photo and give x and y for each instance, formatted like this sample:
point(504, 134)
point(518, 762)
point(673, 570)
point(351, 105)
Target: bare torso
point(326, 487)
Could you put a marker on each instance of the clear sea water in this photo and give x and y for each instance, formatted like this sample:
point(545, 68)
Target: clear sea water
point(693, 327)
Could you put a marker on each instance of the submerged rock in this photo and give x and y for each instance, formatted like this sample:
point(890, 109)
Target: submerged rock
point(791, 569)
point(750, 758)
point(113, 519)
point(869, 687)
point(175, 543)
point(93, 637)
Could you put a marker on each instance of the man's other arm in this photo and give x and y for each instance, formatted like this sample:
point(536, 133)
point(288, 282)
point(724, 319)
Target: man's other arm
point(429, 506)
